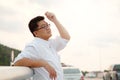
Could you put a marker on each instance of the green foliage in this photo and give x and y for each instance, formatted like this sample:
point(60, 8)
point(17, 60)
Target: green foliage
point(5, 55)
point(84, 72)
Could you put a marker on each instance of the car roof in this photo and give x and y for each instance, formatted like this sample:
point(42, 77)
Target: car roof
point(71, 68)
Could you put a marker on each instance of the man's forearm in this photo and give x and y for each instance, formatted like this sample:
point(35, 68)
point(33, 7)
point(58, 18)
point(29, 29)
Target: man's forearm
point(31, 63)
point(63, 32)
point(37, 63)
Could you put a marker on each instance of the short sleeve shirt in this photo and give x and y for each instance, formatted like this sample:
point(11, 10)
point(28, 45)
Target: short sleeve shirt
point(47, 50)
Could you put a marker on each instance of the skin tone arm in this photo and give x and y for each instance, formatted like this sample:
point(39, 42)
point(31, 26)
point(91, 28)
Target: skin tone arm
point(63, 32)
point(36, 64)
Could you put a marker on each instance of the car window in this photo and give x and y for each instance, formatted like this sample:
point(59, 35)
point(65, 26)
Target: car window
point(71, 71)
point(116, 68)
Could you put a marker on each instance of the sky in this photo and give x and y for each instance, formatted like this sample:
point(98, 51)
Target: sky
point(93, 25)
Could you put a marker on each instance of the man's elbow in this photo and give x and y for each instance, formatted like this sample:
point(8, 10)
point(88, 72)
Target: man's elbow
point(20, 62)
point(17, 63)
point(67, 38)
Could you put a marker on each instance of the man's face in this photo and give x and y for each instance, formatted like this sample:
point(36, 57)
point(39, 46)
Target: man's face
point(43, 31)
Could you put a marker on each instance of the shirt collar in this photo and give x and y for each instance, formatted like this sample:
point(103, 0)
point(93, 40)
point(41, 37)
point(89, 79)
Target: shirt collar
point(40, 40)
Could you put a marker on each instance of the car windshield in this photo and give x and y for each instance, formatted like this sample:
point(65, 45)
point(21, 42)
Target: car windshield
point(117, 68)
point(71, 71)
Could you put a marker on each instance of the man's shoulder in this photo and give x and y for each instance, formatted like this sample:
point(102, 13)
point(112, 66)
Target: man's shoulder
point(32, 43)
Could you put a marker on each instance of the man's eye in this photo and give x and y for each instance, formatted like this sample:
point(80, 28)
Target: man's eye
point(42, 26)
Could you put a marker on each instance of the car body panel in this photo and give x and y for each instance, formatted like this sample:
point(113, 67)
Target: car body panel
point(71, 73)
point(113, 73)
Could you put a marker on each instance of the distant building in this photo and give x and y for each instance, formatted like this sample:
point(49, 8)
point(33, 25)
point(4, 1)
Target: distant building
point(65, 65)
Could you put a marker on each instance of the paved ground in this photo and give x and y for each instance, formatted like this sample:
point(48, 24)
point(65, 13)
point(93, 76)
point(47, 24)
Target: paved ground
point(93, 78)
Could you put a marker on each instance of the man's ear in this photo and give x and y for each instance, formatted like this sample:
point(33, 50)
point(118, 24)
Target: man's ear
point(35, 33)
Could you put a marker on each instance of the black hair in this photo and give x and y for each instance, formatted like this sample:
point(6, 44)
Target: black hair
point(33, 23)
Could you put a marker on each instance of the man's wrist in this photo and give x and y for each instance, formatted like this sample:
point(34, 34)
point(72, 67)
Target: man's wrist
point(45, 65)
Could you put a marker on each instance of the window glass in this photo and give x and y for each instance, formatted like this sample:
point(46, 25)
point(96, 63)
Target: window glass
point(71, 71)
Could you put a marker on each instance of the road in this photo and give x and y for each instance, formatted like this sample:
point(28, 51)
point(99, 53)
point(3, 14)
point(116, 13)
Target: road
point(93, 78)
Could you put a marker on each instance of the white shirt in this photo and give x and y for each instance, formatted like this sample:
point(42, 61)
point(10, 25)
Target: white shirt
point(47, 50)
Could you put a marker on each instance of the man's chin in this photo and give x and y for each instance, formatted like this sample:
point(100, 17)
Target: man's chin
point(49, 35)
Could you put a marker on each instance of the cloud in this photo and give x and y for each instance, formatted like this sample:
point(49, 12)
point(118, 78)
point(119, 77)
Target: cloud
point(6, 11)
point(45, 3)
point(9, 21)
point(106, 40)
point(10, 26)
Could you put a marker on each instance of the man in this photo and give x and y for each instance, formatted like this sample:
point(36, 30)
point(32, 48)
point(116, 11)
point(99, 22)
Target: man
point(41, 53)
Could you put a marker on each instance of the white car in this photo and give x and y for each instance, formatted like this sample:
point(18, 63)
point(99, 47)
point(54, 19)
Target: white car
point(90, 75)
point(71, 73)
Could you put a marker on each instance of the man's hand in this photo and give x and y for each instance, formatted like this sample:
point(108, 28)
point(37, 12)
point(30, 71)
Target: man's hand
point(63, 32)
point(51, 71)
point(50, 16)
